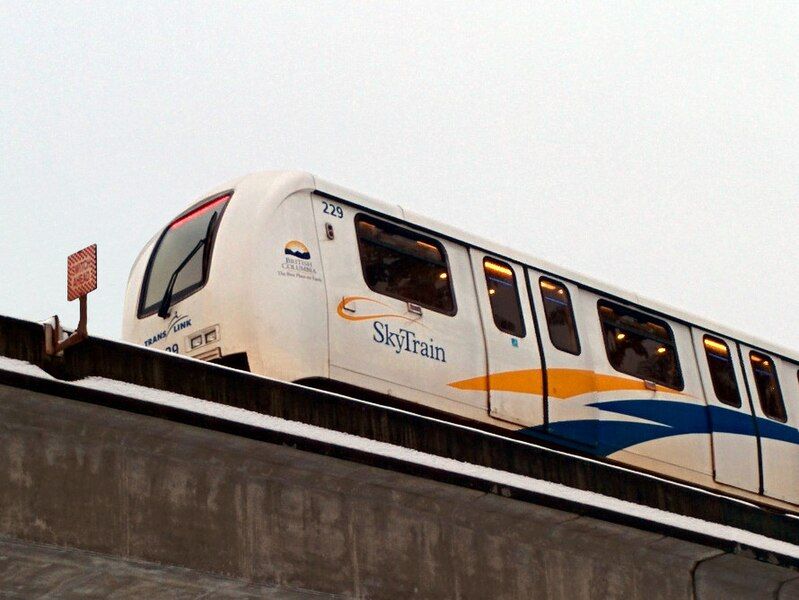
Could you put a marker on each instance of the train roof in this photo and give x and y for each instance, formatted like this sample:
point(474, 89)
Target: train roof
point(302, 180)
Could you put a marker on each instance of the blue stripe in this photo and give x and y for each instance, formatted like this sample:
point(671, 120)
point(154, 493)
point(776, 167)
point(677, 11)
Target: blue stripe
point(669, 418)
point(778, 431)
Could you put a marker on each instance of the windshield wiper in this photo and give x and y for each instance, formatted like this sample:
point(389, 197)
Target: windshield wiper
point(166, 301)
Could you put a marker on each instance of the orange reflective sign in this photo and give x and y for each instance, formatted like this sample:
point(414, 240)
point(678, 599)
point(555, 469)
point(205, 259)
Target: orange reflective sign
point(82, 272)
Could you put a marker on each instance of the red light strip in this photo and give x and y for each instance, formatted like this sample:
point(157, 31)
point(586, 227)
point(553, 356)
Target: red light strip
point(199, 211)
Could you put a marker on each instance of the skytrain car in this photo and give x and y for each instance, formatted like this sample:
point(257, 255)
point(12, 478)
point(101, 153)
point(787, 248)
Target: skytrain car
point(289, 276)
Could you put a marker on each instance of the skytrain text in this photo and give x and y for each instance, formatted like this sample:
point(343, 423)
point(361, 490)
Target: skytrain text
point(403, 340)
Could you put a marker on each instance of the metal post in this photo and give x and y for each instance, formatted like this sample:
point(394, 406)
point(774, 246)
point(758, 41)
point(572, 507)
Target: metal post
point(80, 334)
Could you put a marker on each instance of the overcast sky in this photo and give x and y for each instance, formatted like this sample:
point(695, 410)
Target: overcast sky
point(650, 146)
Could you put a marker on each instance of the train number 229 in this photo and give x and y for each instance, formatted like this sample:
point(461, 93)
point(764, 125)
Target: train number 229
point(332, 209)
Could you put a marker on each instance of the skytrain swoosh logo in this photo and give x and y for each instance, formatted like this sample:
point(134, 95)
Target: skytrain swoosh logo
point(561, 383)
point(667, 419)
point(348, 313)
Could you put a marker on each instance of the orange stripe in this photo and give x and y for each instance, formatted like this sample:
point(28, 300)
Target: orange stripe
point(563, 383)
point(347, 299)
point(523, 382)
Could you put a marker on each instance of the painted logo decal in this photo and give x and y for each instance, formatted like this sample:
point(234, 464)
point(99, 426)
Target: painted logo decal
point(298, 249)
point(666, 419)
point(561, 383)
point(659, 418)
point(346, 311)
point(178, 323)
point(399, 339)
point(297, 262)
point(404, 340)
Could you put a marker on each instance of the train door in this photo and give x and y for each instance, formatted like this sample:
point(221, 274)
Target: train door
point(733, 431)
point(647, 389)
point(515, 380)
point(403, 319)
point(567, 354)
point(775, 398)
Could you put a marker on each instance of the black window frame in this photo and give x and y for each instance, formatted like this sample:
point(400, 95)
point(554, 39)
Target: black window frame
point(413, 235)
point(144, 312)
point(713, 339)
point(562, 285)
point(640, 315)
point(776, 375)
point(501, 263)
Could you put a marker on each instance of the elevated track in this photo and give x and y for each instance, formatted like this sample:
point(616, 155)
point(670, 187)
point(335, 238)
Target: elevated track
point(116, 451)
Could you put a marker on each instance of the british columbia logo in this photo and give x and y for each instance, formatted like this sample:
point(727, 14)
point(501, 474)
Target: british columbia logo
point(178, 323)
point(297, 262)
point(298, 250)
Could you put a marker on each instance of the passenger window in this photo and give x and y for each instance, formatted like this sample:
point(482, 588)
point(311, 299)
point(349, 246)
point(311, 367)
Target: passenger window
point(768, 386)
point(722, 372)
point(503, 294)
point(560, 316)
point(187, 239)
point(640, 345)
point(404, 265)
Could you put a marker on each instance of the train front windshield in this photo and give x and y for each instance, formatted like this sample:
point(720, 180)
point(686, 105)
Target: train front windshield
point(182, 254)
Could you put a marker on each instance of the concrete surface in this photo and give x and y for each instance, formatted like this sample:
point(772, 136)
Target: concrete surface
point(789, 590)
point(38, 571)
point(248, 513)
point(730, 577)
point(23, 340)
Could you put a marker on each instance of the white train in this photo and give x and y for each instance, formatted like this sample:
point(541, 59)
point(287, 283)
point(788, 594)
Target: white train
point(292, 277)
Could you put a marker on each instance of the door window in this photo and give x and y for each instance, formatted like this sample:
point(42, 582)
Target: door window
point(503, 294)
point(768, 386)
point(560, 316)
point(722, 372)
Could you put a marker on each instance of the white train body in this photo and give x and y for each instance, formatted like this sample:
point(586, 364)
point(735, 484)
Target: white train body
point(304, 281)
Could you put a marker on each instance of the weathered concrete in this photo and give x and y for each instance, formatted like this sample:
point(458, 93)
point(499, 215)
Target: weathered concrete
point(789, 590)
point(29, 570)
point(142, 488)
point(729, 577)
point(163, 371)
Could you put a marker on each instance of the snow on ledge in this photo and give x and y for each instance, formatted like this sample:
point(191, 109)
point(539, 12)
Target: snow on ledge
point(23, 367)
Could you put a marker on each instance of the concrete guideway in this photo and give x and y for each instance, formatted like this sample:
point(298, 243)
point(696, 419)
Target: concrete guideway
point(29, 570)
point(153, 370)
point(142, 488)
point(107, 473)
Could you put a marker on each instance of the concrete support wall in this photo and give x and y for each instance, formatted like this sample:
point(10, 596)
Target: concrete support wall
point(141, 488)
point(40, 571)
point(163, 371)
point(729, 576)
